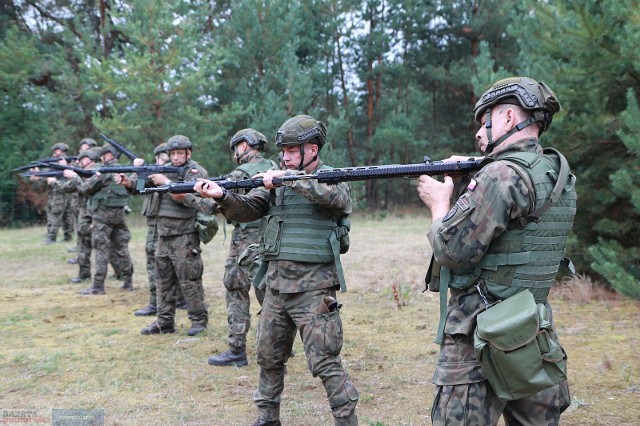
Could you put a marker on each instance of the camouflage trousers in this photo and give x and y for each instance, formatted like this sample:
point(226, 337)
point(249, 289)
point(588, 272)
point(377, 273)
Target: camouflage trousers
point(179, 265)
point(464, 397)
point(110, 242)
point(237, 281)
point(282, 315)
point(60, 216)
point(84, 246)
point(152, 271)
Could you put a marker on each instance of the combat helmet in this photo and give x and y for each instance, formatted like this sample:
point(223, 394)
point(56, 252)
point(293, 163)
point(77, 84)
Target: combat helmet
point(88, 141)
point(300, 130)
point(91, 153)
point(108, 148)
point(61, 146)
point(525, 92)
point(178, 142)
point(163, 147)
point(252, 137)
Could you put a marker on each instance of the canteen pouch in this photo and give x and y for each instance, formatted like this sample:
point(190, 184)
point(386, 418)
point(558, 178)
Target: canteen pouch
point(512, 342)
point(207, 226)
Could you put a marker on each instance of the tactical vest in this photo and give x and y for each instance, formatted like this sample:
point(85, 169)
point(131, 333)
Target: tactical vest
point(169, 208)
point(250, 170)
point(110, 196)
point(529, 254)
point(297, 230)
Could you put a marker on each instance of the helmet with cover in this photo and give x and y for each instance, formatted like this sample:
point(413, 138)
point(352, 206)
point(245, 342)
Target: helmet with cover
point(252, 137)
point(163, 147)
point(301, 129)
point(108, 148)
point(89, 142)
point(178, 142)
point(61, 146)
point(91, 153)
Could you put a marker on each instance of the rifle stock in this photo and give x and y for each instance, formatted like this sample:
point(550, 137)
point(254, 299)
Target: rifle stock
point(345, 174)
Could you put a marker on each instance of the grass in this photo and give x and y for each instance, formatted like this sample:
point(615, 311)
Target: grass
point(63, 350)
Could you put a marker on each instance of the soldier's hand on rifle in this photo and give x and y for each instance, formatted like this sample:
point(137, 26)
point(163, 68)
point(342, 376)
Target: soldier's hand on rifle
point(69, 174)
point(159, 179)
point(461, 158)
point(436, 195)
point(122, 179)
point(51, 180)
point(207, 188)
point(268, 176)
point(138, 162)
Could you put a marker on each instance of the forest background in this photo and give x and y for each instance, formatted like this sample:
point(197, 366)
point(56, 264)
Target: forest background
point(393, 80)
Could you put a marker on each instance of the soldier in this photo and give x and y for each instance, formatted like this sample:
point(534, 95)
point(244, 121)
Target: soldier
point(301, 231)
point(178, 260)
point(86, 160)
point(75, 200)
point(499, 239)
point(247, 145)
point(59, 213)
point(150, 207)
point(109, 232)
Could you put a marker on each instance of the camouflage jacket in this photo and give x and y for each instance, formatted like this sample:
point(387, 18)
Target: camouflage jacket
point(283, 275)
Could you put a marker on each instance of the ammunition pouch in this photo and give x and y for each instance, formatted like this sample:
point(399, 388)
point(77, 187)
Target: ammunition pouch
point(513, 344)
point(207, 226)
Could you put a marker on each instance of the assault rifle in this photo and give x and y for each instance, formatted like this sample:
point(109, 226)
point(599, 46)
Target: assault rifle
point(143, 171)
point(46, 173)
point(345, 174)
point(45, 162)
point(119, 147)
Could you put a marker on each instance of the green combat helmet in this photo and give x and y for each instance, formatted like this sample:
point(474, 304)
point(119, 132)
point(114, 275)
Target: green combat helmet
point(300, 130)
point(163, 147)
point(108, 148)
point(61, 146)
point(178, 142)
point(252, 137)
point(88, 141)
point(525, 92)
point(91, 153)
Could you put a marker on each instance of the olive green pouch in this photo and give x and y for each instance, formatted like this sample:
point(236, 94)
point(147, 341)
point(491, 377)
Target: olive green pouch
point(207, 226)
point(513, 344)
point(270, 235)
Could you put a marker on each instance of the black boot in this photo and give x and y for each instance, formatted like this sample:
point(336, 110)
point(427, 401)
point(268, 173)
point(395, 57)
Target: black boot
point(229, 358)
point(78, 280)
point(128, 285)
point(156, 328)
point(147, 311)
point(92, 290)
point(196, 329)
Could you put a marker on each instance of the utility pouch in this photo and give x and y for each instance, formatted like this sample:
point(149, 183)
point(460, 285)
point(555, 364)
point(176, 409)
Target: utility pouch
point(512, 342)
point(207, 226)
point(342, 233)
point(270, 235)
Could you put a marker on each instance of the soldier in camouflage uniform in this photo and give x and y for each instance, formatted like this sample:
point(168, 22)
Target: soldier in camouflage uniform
point(59, 209)
point(109, 232)
point(150, 206)
point(86, 160)
point(500, 218)
point(178, 260)
point(247, 145)
point(301, 232)
point(76, 200)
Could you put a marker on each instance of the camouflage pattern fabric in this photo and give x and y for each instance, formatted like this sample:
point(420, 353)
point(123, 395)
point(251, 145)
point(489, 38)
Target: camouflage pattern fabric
point(83, 228)
point(152, 271)
point(59, 211)
point(237, 279)
point(178, 261)
point(496, 195)
point(179, 265)
point(294, 291)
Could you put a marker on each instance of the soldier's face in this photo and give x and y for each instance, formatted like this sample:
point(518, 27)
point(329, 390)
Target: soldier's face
point(58, 152)
point(162, 159)
point(85, 162)
point(291, 155)
point(498, 127)
point(179, 157)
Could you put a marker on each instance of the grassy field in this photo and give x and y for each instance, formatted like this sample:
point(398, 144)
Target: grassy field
point(63, 350)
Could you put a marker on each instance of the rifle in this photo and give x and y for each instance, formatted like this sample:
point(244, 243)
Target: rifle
point(345, 174)
point(47, 173)
point(121, 148)
point(143, 171)
point(45, 162)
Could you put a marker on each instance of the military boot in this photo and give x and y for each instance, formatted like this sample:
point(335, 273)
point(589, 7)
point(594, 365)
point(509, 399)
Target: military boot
point(147, 311)
point(128, 285)
point(72, 250)
point(196, 328)
point(49, 241)
point(351, 420)
point(92, 290)
point(78, 280)
point(157, 328)
point(261, 422)
point(229, 358)
point(73, 261)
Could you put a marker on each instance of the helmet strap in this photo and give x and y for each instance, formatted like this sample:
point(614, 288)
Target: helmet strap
point(487, 123)
point(302, 164)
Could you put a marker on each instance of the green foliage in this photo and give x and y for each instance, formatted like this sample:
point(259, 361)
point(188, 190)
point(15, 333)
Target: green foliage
point(618, 265)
